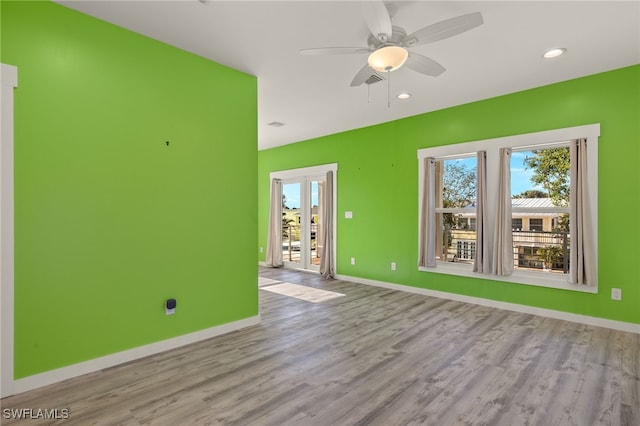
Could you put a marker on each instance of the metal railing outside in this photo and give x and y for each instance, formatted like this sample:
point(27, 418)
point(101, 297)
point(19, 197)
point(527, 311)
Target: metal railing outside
point(540, 250)
point(291, 234)
point(547, 250)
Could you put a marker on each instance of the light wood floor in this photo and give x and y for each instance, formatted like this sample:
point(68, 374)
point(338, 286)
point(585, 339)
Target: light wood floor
point(374, 356)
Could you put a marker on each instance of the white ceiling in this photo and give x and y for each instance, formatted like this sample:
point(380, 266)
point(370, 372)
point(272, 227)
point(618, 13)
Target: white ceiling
point(311, 94)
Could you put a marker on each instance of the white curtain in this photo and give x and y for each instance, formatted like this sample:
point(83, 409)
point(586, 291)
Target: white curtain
point(427, 238)
point(327, 260)
point(481, 261)
point(582, 258)
point(274, 236)
point(503, 237)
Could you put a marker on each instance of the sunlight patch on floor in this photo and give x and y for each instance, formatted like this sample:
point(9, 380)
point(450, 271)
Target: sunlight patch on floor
point(262, 281)
point(309, 294)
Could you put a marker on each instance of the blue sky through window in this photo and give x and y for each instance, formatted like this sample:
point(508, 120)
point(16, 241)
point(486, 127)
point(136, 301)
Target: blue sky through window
point(292, 193)
point(520, 175)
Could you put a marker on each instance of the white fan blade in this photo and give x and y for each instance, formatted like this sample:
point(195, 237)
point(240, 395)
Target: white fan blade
point(443, 29)
point(335, 51)
point(363, 75)
point(424, 65)
point(377, 19)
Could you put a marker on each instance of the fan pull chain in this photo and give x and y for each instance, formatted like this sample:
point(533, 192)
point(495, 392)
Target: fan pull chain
point(388, 69)
point(389, 90)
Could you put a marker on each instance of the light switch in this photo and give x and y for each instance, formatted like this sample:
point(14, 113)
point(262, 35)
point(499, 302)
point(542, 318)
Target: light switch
point(348, 215)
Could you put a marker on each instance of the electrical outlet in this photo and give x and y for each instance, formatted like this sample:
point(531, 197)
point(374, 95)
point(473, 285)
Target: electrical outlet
point(260, 249)
point(353, 260)
point(393, 266)
point(170, 306)
point(616, 294)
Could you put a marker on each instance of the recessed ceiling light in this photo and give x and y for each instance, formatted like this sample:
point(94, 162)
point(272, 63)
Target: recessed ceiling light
point(554, 53)
point(275, 124)
point(403, 95)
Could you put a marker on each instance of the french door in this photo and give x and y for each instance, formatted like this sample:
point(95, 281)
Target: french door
point(302, 221)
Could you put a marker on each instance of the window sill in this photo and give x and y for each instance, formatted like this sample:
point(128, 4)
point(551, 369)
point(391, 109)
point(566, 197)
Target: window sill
point(539, 279)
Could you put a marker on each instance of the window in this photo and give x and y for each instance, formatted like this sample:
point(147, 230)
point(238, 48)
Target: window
point(529, 257)
point(516, 224)
point(455, 207)
point(540, 184)
point(535, 224)
point(541, 226)
point(466, 250)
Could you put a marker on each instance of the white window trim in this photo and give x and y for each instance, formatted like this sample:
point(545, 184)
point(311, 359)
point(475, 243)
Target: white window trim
point(492, 147)
point(303, 172)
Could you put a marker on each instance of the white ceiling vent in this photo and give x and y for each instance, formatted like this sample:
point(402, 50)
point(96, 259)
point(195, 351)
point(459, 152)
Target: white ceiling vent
point(275, 124)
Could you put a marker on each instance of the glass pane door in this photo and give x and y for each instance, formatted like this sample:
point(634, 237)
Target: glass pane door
point(302, 221)
point(316, 190)
point(291, 221)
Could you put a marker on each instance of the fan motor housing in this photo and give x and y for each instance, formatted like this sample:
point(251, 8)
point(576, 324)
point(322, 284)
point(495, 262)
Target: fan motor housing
point(398, 34)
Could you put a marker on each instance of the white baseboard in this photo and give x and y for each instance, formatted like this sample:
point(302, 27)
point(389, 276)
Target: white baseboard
point(97, 364)
point(550, 313)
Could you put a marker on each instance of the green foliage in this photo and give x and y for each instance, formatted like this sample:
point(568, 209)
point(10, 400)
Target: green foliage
point(458, 190)
point(285, 220)
point(531, 193)
point(550, 255)
point(459, 185)
point(551, 170)
point(562, 224)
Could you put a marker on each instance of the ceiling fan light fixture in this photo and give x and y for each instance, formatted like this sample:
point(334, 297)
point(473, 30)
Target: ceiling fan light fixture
point(554, 53)
point(388, 58)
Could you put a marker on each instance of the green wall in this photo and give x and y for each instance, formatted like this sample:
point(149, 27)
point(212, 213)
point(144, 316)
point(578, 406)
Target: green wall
point(378, 181)
point(109, 220)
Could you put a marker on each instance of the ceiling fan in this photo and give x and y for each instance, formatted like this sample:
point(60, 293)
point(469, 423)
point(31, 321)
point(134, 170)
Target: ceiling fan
point(388, 44)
